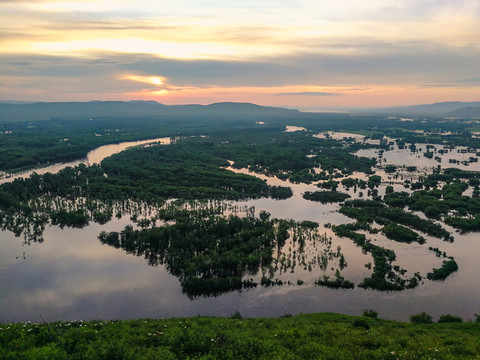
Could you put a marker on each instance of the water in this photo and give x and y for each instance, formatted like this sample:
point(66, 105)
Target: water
point(458, 157)
point(291, 128)
point(73, 276)
point(93, 157)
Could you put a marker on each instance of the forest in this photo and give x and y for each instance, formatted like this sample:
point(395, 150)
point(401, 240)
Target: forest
point(31, 135)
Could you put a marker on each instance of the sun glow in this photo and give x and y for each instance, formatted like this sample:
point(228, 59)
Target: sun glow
point(293, 51)
point(165, 49)
point(154, 80)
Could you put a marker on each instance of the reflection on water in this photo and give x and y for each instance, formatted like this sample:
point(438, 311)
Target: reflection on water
point(93, 157)
point(290, 128)
point(458, 157)
point(73, 276)
point(340, 136)
point(97, 155)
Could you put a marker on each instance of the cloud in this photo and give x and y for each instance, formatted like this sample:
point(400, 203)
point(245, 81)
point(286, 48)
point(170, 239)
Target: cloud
point(307, 93)
point(456, 83)
point(307, 49)
point(245, 31)
point(410, 64)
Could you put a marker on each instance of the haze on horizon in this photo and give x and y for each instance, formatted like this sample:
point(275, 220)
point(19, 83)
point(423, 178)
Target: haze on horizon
point(322, 54)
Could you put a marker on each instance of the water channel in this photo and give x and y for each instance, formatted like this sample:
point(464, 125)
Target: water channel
point(71, 275)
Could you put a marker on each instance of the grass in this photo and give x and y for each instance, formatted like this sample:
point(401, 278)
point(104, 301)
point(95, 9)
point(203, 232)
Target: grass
point(313, 336)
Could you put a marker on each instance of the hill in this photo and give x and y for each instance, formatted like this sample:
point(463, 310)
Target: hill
point(133, 109)
point(436, 109)
point(469, 111)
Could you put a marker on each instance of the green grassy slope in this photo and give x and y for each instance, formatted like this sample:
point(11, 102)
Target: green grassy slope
point(313, 336)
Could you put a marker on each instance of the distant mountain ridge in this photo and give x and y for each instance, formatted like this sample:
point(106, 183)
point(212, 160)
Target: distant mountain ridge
point(15, 102)
point(24, 111)
point(135, 108)
point(469, 111)
point(439, 109)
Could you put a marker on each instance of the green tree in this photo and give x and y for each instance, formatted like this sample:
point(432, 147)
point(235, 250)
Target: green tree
point(370, 313)
point(447, 318)
point(422, 318)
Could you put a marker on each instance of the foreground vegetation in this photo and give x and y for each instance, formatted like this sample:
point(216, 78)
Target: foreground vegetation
point(313, 336)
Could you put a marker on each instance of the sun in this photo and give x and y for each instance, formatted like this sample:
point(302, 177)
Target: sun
point(156, 80)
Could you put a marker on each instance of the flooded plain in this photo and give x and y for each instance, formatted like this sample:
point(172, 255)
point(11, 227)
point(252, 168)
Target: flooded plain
point(71, 275)
point(93, 157)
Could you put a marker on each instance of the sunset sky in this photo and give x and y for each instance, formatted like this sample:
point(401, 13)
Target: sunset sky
point(296, 53)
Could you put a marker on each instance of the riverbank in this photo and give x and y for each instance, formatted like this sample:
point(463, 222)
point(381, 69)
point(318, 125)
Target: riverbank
point(94, 156)
point(312, 336)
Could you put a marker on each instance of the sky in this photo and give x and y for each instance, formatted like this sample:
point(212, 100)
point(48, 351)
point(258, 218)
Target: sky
point(294, 53)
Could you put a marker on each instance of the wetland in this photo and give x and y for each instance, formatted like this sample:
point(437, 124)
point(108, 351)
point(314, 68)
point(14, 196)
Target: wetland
point(282, 220)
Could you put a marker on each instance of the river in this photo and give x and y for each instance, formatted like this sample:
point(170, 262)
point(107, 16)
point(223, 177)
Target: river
point(72, 276)
point(93, 157)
